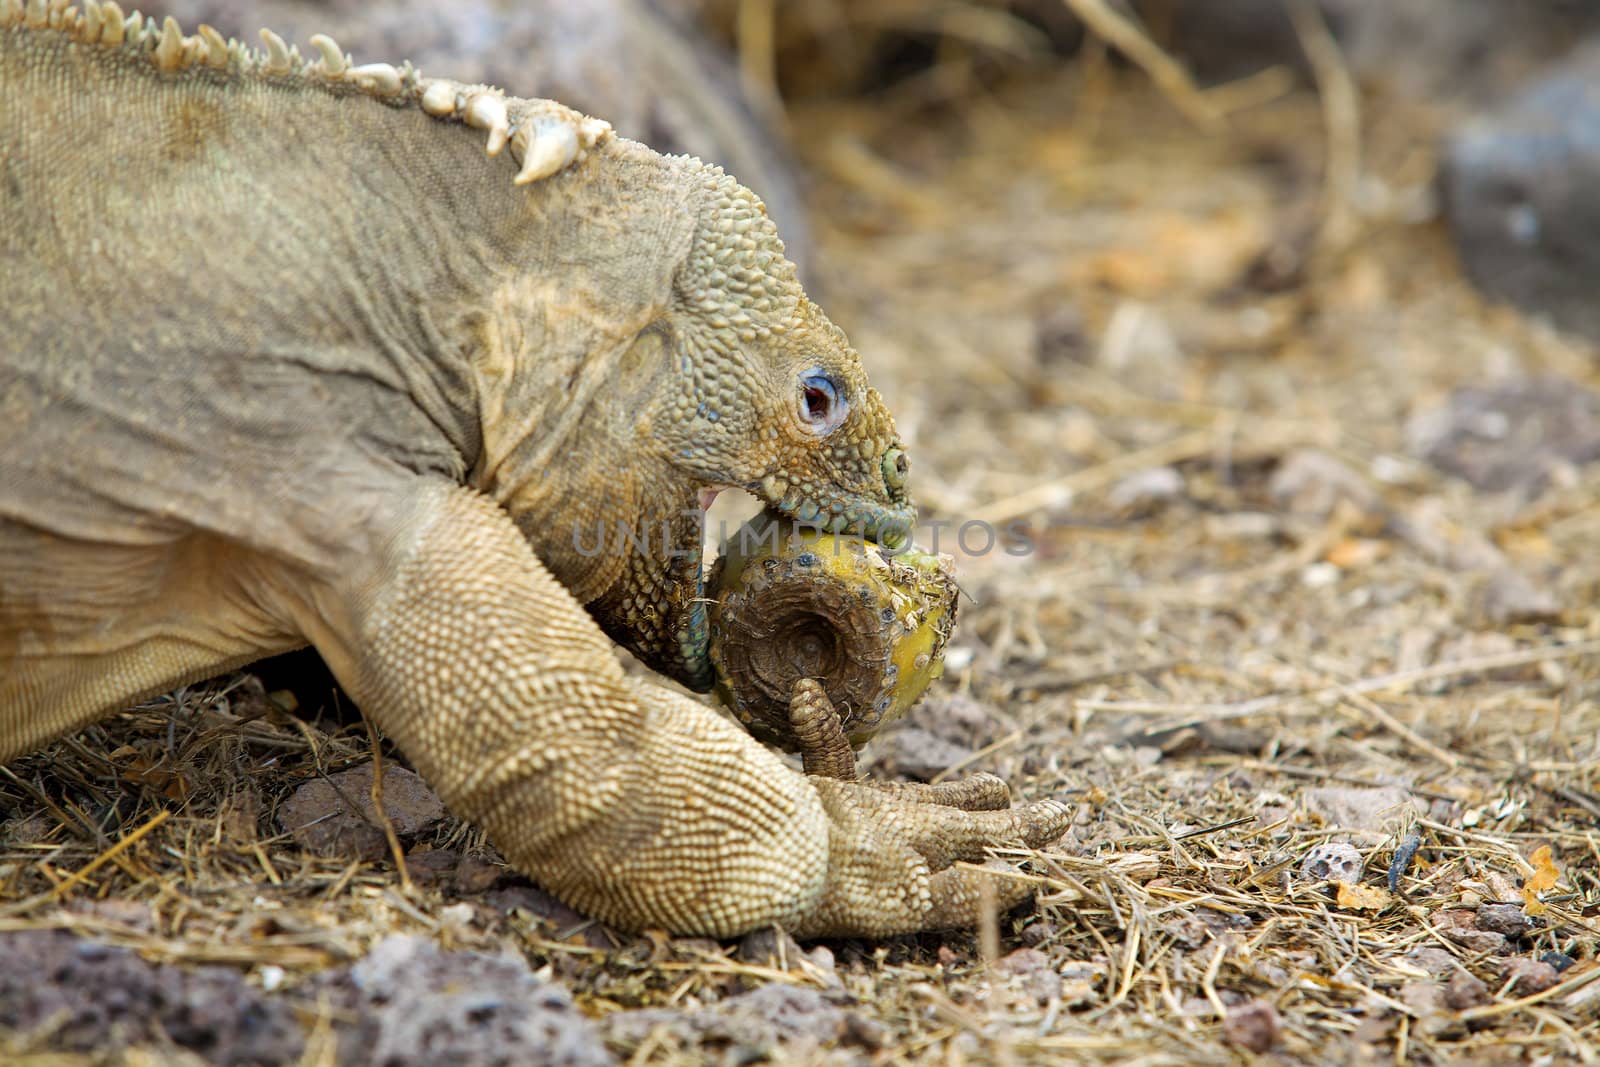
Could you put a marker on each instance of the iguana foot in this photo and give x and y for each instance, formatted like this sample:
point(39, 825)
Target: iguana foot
point(892, 844)
point(892, 851)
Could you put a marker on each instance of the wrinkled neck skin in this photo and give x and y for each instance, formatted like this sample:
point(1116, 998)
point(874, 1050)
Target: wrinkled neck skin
point(571, 355)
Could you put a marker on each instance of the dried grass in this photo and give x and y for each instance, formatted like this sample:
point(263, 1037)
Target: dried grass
point(1058, 283)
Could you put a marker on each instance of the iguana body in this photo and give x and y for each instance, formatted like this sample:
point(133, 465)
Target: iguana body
point(651, 76)
point(286, 358)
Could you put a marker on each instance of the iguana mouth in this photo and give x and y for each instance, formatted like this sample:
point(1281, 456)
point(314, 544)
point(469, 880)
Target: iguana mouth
point(886, 524)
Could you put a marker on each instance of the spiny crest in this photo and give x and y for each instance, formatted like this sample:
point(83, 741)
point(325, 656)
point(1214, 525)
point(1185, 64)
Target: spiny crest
point(545, 137)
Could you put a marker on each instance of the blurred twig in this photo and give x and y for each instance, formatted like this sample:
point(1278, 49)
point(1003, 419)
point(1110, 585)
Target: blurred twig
point(1167, 73)
point(1341, 117)
point(757, 28)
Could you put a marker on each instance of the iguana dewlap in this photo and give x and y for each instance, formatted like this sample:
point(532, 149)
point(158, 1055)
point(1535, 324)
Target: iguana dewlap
point(287, 358)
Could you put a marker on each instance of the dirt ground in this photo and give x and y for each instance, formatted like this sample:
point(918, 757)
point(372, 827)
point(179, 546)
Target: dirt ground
point(1296, 588)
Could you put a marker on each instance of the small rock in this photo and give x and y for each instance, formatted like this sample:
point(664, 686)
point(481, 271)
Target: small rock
point(1422, 996)
point(1252, 1026)
point(1145, 491)
point(1321, 575)
point(1461, 927)
point(790, 1009)
point(1333, 861)
point(333, 816)
point(1037, 933)
point(770, 947)
point(917, 753)
point(1528, 977)
point(1038, 976)
point(1146, 755)
point(1513, 434)
point(421, 1005)
point(431, 866)
point(821, 958)
point(1465, 991)
point(750, 1024)
point(958, 717)
point(1509, 596)
point(865, 1033)
point(473, 875)
point(1436, 961)
point(1312, 483)
point(1559, 960)
point(625, 1031)
point(1506, 919)
point(86, 996)
point(1382, 809)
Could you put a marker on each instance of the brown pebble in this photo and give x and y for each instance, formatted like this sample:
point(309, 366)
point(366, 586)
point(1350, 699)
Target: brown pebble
point(1252, 1026)
point(1465, 991)
point(1036, 934)
point(473, 875)
point(1038, 975)
point(333, 816)
point(1506, 919)
point(1461, 927)
point(1528, 977)
point(770, 946)
point(430, 866)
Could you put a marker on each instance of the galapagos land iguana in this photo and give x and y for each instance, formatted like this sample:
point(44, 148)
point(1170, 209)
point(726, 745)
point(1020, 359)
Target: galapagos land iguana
point(287, 358)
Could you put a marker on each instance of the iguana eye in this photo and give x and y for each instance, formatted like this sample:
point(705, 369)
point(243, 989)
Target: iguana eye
point(822, 402)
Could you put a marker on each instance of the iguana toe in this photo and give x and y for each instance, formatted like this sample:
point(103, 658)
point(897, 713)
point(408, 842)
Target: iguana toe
point(890, 858)
point(976, 792)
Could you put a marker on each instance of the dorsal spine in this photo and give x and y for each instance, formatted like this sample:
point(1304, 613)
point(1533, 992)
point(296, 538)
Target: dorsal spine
point(544, 136)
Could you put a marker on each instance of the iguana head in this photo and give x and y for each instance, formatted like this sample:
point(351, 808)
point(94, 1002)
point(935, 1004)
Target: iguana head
point(686, 359)
point(772, 398)
point(761, 392)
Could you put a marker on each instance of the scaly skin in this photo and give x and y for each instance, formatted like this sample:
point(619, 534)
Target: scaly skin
point(286, 358)
point(624, 59)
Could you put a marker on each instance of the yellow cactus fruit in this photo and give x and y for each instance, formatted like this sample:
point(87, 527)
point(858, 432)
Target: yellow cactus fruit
point(793, 603)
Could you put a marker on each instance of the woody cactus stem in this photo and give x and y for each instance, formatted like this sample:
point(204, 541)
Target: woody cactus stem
point(819, 640)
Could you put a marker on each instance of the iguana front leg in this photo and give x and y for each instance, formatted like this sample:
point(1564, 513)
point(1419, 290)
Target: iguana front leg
point(641, 807)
